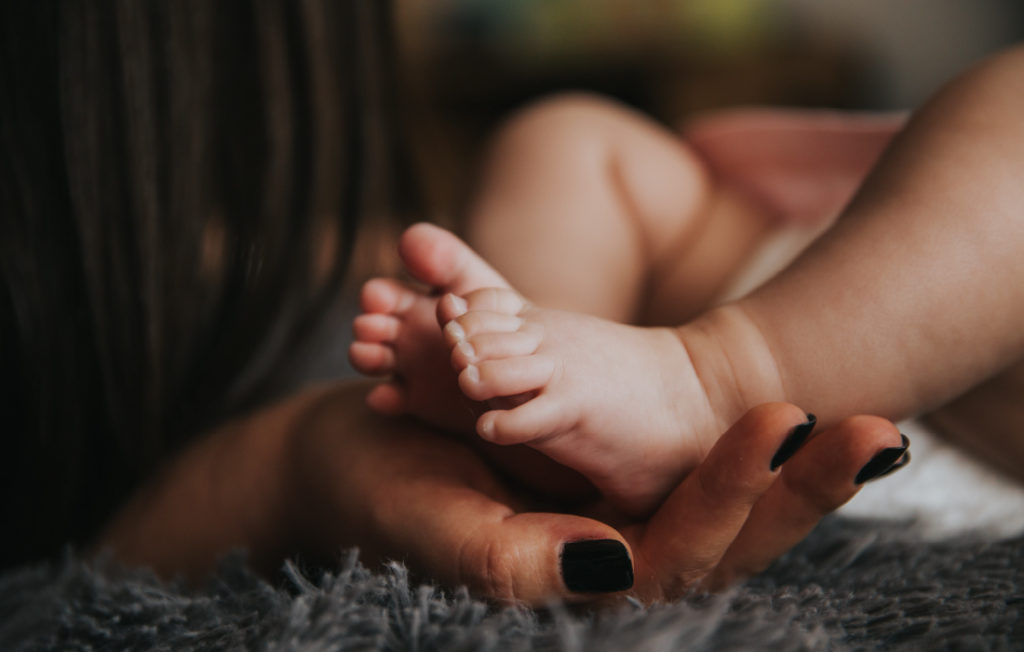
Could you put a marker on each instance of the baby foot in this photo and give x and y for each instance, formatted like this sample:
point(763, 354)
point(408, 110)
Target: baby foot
point(625, 406)
point(397, 335)
point(621, 404)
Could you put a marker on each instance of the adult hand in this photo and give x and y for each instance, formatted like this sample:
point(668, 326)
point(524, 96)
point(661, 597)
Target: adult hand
point(400, 491)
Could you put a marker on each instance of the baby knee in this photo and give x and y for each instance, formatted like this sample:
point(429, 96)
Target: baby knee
point(562, 123)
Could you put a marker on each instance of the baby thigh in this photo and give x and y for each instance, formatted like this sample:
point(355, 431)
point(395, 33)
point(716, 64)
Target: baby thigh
point(584, 204)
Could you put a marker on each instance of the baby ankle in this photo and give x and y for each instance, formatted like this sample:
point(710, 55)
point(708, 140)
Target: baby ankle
point(733, 362)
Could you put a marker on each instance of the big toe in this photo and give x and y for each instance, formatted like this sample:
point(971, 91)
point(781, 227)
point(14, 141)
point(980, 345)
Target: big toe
point(439, 258)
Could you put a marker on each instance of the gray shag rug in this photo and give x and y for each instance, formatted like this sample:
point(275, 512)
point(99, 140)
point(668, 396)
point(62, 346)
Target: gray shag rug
point(850, 585)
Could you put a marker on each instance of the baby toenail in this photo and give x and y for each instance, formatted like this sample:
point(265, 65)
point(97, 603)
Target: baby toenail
point(467, 350)
point(472, 374)
point(487, 428)
point(455, 331)
point(459, 304)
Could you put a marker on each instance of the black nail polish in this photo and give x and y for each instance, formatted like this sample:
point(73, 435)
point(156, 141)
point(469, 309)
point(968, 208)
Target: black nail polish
point(900, 463)
point(886, 461)
point(596, 566)
point(794, 440)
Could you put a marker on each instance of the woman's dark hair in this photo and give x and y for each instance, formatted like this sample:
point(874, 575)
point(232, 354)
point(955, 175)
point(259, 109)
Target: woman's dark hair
point(180, 185)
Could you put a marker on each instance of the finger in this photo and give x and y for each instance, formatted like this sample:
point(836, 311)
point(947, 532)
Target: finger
point(687, 536)
point(533, 558)
point(816, 481)
point(528, 558)
point(434, 503)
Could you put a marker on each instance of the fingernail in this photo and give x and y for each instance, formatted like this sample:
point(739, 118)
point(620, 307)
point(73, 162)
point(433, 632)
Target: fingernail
point(455, 331)
point(900, 463)
point(886, 461)
point(794, 440)
point(460, 305)
point(472, 374)
point(596, 566)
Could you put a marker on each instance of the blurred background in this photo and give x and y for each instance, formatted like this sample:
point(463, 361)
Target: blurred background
point(470, 62)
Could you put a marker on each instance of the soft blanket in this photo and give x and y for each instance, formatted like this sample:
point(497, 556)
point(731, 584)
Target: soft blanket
point(853, 584)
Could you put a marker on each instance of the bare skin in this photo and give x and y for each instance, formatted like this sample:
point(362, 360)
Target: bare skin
point(917, 293)
point(507, 349)
point(318, 472)
point(853, 325)
point(402, 339)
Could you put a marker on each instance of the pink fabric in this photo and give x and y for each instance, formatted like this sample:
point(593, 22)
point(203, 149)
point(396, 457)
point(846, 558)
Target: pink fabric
point(803, 164)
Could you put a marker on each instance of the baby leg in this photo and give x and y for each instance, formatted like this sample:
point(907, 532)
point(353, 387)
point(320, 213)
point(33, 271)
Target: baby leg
point(640, 418)
point(918, 292)
point(586, 205)
point(583, 203)
point(592, 207)
point(582, 199)
point(621, 404)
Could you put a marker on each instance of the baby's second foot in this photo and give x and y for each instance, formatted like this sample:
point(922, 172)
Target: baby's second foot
point(621, 404)
point(397, 334)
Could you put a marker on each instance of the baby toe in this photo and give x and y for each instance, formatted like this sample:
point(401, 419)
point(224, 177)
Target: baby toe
point(371, 358)
point(476, 323)
point(388, 398)
point(439, 258)
point(385, 295)
point(537, 419)
point(495, 299)
point(376, 327)
point(449, 307)
point(494, 346)
point(493, 378)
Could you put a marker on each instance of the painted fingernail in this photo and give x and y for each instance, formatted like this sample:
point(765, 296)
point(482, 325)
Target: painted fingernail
point(900, 463)
point(455, 331)
point(596, 566)
point(794, 440)
point(886, 461)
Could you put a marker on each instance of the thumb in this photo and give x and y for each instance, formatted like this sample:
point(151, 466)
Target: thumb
point(526, 558)
point(399, 491)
